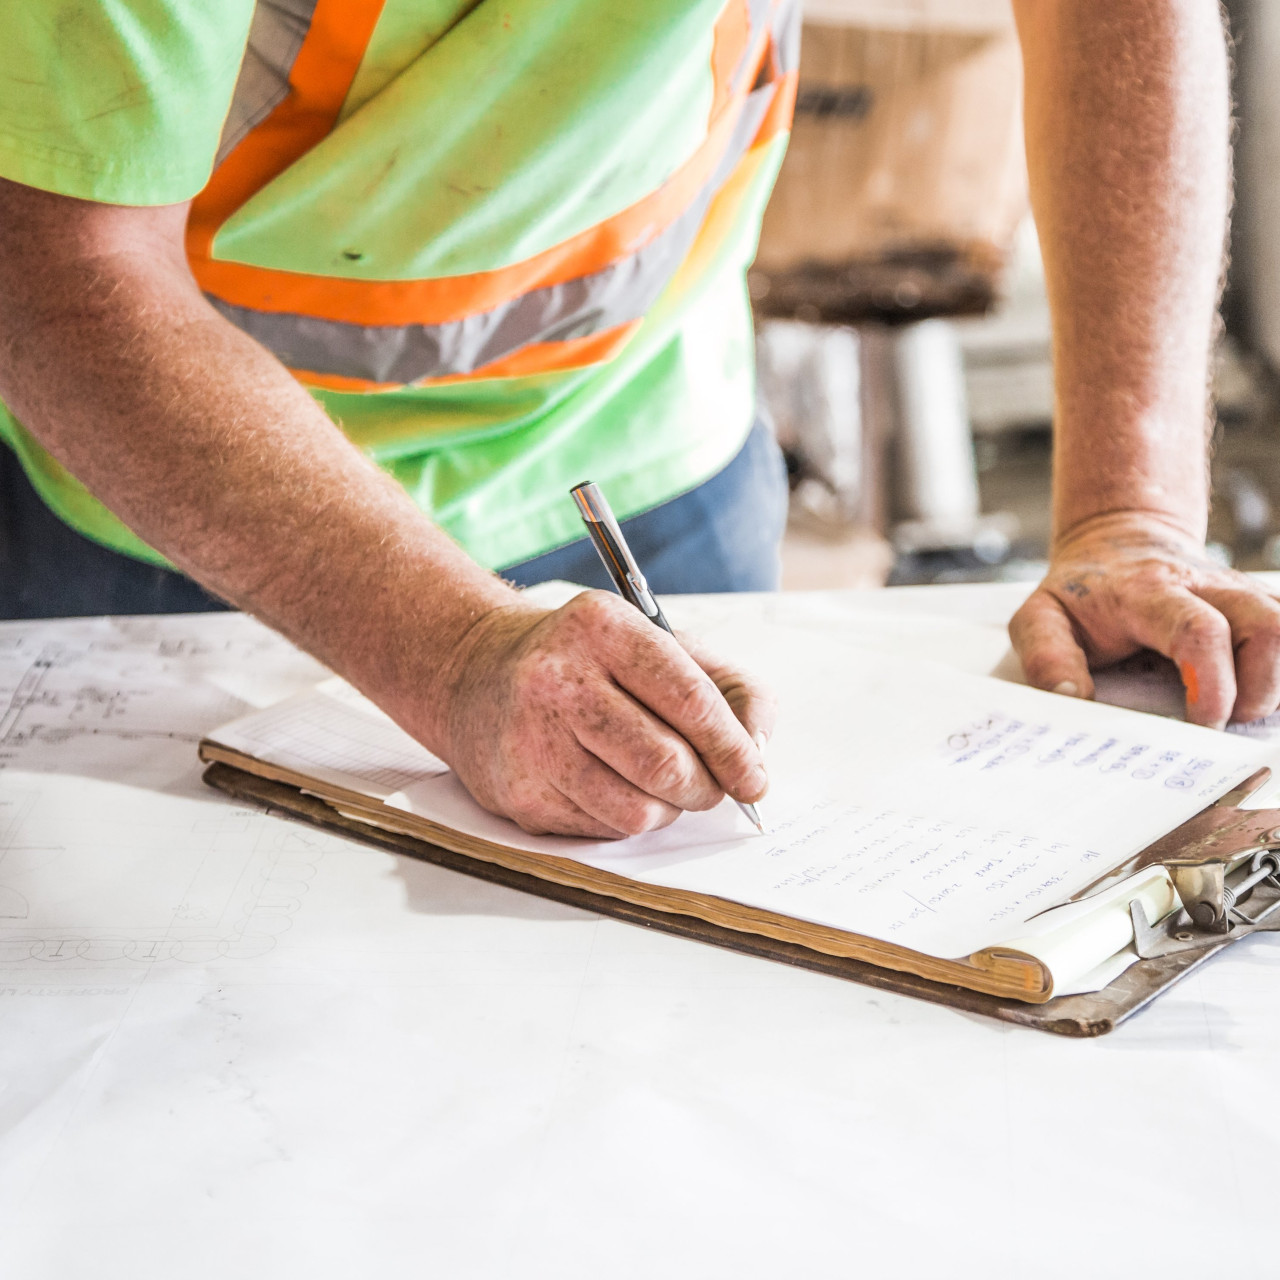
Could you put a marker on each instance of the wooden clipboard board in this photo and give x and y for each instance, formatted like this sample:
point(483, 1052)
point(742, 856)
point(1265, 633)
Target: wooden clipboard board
point(1081, 1016)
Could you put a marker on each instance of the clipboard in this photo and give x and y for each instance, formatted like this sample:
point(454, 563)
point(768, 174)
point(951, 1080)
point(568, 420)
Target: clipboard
point(1210, 857)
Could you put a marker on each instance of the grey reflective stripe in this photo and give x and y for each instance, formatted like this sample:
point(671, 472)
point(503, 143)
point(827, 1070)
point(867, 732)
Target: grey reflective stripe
point(275, 35)
point(400, 354)
point(758, 18)
point(408, 353)
point(620, 293)
point(786, 35)
point(758, 14)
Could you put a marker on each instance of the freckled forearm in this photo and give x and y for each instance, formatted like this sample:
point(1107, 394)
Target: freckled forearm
point(205, 446)
point(1127, 129)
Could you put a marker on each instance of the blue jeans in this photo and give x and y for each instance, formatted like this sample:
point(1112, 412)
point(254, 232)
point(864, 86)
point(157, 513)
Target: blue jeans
point(722, 535)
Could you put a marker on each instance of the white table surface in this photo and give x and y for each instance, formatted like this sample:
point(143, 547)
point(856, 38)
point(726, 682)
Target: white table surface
point(231, 1046)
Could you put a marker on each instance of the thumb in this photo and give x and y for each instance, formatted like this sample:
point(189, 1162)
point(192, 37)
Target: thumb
point(751, 701)
point(1045, 640)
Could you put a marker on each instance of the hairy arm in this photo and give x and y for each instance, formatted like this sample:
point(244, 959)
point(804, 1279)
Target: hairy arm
point(202, 442)
point(206, 447)
point(1127, 117)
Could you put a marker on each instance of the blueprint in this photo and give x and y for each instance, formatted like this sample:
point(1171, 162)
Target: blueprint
point(113, 855)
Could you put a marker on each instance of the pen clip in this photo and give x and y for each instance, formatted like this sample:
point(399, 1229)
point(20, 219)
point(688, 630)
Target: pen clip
point(596, 511)
point(644, 597)
point(607, 534)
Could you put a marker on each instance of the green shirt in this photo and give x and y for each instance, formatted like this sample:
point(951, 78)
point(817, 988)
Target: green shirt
point(473, 136)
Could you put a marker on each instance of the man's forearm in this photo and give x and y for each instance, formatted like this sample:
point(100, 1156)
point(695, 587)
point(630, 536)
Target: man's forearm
point(1127, 146)
point(206, 447)
point(1127, 136)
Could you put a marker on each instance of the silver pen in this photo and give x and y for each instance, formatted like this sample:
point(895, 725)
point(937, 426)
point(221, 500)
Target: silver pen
point(606, 535)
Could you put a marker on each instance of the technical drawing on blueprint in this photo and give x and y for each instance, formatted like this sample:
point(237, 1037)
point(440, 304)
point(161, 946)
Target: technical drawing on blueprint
point(112, 851)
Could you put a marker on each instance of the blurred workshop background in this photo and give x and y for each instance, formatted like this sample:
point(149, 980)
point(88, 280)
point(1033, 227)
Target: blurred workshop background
point(903, 333)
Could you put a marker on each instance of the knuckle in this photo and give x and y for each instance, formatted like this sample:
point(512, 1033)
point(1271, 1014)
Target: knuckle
point(1032, 636)
point(629, 824)
point(1041, 625)
point(1259, 685)
point(593, 613)
point(699, 702)
point(1253, 708)
point(635, 816)
point(1264, 651)
point(1021, 629)
point(1202, 628)
point(664, 818)
point(603, 627)
point(655, 815)
point(1269, 632)
point(531, 827)
point(1038, 667)
point(1031, 606)
point(703, 797)
point(747, 691)
point(667, 772)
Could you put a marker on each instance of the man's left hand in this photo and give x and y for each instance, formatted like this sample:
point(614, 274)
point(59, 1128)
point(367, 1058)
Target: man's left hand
point(1126, 581)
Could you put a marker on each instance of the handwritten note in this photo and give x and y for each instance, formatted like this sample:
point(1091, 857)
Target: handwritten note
point(908, 801)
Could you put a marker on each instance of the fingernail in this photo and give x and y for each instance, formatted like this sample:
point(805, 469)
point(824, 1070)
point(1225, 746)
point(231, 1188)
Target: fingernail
point(1192, 683)
point(756, 785)
point(1068, 689)
point(762, 741)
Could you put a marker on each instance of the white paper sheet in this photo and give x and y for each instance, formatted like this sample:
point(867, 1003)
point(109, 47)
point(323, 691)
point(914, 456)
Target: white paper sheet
point(105, 860)
point(1148, 682)
point(420, 1071)
point(907, 802)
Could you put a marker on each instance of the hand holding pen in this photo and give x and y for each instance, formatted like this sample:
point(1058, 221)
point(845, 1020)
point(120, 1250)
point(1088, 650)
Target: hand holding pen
point(606, 535)
point(589, 720)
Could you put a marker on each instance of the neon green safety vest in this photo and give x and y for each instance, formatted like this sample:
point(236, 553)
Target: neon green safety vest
point(502, 242)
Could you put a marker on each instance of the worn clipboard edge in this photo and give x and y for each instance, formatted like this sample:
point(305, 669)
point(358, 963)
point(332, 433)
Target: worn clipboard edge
point(1081, 1016)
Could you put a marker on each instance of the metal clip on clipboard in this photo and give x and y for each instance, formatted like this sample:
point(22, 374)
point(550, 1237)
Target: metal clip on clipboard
point(1225, 865)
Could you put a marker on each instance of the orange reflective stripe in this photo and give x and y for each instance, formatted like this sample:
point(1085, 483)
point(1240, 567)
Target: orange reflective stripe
point(535, 358)
point(447, 298)
point(548, 357)
point(778, 118)
point(729, 45)
point(319, 81)
point(721, 216)
point(552, 357)
point(450, 298)
point(578, 353)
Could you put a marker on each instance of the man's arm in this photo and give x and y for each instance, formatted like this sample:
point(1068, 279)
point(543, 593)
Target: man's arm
point(585, 720)
point(1127, 117)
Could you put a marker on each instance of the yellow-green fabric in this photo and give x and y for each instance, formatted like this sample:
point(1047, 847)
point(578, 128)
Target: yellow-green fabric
point(117, 100)
point(448, 158)
point(531, 122)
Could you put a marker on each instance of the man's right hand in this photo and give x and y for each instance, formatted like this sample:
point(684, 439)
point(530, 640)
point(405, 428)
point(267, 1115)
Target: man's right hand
point(589, 720)
point(585, 720)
